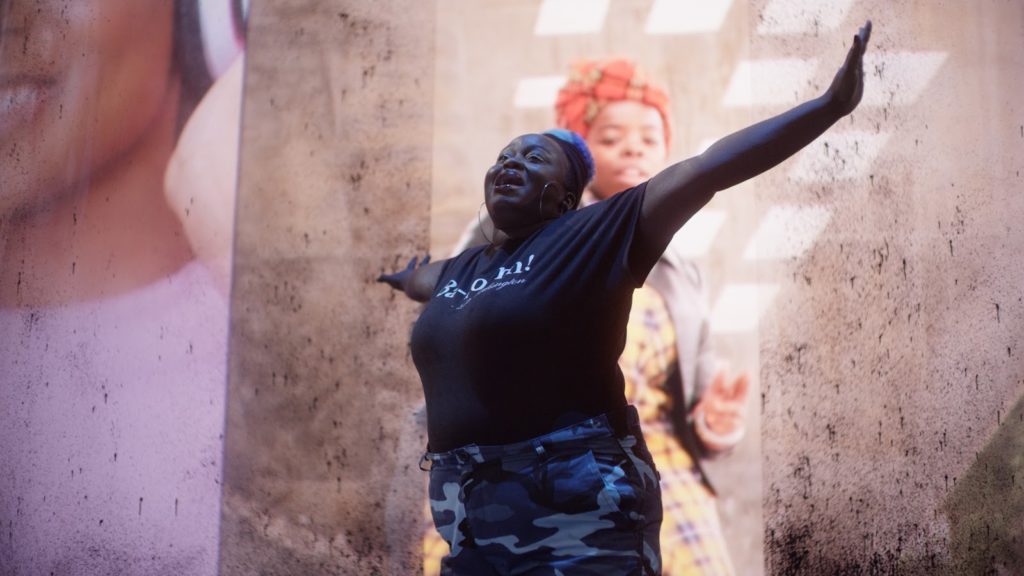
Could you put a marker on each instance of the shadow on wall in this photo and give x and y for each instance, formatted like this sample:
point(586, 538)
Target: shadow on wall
point(986, 508)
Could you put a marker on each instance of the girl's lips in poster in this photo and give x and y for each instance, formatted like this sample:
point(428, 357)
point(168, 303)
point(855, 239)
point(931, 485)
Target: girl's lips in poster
point(633, 172)
point(22, 99)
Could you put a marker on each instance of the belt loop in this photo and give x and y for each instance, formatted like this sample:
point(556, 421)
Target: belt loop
point(632, 416)
point(623, 421)
point(426, 460)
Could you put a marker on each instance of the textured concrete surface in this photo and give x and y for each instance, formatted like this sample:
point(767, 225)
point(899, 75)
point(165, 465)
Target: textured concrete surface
point(322, 441)
point(891, 362)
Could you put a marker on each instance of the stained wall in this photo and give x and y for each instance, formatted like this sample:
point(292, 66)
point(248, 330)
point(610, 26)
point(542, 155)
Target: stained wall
point(891, 362)
point(323, 438)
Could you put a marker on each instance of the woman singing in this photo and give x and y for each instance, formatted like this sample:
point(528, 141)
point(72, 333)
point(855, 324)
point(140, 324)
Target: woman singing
point(536, 460)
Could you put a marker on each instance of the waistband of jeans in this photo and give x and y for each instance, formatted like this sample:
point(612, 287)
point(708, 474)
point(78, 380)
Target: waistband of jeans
point(620, 422)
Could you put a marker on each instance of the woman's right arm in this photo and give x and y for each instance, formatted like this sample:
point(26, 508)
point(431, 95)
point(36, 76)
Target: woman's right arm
point(417, 281)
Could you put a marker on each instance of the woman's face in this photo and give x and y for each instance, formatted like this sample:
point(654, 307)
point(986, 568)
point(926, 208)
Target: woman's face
point(526, 183)
point(80, 83)
point(627, 140)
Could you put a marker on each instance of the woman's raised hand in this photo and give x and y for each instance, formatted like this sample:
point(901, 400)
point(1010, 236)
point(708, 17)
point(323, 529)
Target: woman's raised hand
point(848, 85)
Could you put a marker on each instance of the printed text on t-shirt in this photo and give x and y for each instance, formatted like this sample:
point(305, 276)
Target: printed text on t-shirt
point(503, 278)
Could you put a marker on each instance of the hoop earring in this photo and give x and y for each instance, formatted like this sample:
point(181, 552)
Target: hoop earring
point(540, 205)
point(480, 223)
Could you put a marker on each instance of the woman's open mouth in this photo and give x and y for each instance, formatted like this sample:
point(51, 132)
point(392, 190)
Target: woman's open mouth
point(508, 179)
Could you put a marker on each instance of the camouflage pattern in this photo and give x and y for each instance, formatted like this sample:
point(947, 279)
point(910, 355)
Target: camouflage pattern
point(576, 501)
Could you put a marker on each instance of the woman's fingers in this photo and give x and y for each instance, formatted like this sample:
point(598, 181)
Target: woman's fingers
point(723, 417)
point(718, 382)
point(722, 423)
point(740, 387)
point(853, 56)
point(848, 85)
point(396, 279)
point(865, 34)
point(860, 45)
point(414, 265)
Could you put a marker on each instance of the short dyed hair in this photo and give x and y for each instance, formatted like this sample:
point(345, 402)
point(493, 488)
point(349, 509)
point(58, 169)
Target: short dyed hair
point(581, 162)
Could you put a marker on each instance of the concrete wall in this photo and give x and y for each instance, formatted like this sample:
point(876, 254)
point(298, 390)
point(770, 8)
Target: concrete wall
point(893, 353)
point(322, 440)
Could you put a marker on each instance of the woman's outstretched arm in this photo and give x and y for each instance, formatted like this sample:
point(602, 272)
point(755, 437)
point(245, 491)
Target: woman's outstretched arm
point(677, 192)
point(416, 281)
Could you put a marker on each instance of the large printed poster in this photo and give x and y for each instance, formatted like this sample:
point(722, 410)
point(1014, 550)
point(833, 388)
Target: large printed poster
point(118, 131)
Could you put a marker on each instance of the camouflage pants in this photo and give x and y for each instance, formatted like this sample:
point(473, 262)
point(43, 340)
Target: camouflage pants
point(580, 500)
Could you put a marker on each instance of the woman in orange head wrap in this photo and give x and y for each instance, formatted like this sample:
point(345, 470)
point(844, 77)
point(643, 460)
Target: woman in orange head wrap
point(688, 412)
point(624, 117)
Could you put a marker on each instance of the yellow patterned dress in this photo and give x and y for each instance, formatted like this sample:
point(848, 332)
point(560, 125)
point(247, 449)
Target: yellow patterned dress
point(691, 537)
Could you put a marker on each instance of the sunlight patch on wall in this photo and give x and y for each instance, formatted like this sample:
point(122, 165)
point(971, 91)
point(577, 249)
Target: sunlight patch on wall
point(538, 91)
point(739, 307)
point(695, 238)
point(802, 16)
point(786, 232)
point(686, 16)
point(769, 82)
point(564, 17)
point(898, 77)
point(838, 156)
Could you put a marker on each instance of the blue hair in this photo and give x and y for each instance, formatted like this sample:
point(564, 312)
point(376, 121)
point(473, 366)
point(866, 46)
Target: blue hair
point(581, 162)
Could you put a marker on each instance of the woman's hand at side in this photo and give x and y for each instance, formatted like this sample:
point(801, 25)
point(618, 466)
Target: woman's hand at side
point(417, 280)
point(720, 414)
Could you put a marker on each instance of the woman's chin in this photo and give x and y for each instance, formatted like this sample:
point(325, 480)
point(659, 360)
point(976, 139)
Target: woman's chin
point(506, 213)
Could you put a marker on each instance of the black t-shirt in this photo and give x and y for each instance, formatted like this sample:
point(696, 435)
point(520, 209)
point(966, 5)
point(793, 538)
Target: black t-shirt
point(520, 340)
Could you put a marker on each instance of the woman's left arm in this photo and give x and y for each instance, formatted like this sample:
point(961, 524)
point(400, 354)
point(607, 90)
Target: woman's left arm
point(676, 193)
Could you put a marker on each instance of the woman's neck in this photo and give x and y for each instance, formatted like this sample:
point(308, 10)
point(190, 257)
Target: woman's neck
point(112, 235)
point(515, 236)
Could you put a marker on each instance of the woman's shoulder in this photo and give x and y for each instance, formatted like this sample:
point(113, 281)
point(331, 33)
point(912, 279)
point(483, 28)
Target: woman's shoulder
point(623, 207)
point(628, 197)
point(469, 257)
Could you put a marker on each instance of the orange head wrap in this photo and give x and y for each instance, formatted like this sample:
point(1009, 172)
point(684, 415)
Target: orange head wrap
point(594, 83)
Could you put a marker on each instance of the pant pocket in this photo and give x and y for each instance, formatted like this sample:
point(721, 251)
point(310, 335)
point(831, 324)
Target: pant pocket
point(571, 483)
